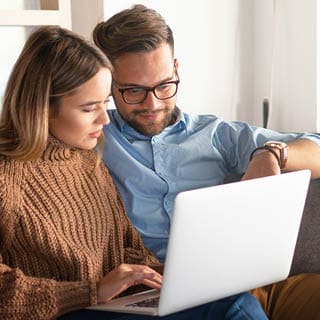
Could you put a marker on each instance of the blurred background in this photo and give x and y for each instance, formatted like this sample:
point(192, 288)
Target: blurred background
point(233, 54)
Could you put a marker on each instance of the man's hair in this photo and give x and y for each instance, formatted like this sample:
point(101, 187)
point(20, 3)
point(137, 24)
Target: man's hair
point(53, 63)
point(138, 29)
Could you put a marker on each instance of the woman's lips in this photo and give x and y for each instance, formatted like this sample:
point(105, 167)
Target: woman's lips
point(95, 134)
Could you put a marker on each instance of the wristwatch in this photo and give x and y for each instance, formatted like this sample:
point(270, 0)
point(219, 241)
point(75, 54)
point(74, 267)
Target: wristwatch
point(283, 148)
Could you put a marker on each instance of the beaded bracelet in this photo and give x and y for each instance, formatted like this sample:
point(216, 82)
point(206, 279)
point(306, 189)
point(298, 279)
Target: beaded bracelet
point(268, 149)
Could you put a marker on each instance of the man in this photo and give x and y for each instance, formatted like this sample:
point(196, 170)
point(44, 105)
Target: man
point(154, 150)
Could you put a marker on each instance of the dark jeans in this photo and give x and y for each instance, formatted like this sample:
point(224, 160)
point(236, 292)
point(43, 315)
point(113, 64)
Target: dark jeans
point(239, 307)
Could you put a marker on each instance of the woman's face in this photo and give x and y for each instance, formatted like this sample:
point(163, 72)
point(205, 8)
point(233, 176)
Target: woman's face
point(81, 115)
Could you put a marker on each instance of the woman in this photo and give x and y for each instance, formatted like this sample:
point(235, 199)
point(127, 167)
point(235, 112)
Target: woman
point(65, 241)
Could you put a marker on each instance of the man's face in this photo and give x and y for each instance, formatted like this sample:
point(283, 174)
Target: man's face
point(146, 69)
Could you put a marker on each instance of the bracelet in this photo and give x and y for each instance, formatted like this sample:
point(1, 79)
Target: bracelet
point(268, 149)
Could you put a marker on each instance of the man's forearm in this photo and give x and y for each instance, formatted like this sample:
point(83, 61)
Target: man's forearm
point(304, 154)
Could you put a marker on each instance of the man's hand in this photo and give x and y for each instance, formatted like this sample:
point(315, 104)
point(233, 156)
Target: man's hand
point(125, 276)
point(302, 154)
point(262, 164)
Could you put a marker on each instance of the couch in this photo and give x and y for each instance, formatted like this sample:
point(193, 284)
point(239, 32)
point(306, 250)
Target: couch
point(307, 252)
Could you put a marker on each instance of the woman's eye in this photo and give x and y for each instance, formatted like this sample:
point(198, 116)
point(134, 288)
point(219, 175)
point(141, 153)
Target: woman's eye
point(87, 110)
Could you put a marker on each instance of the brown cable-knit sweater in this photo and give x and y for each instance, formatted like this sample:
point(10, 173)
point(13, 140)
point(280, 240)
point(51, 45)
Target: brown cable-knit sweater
point(62, 227)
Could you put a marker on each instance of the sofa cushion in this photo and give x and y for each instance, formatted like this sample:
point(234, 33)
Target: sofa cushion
point(307, 252)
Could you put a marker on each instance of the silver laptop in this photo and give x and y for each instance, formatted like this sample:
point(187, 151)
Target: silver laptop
point(225, 240)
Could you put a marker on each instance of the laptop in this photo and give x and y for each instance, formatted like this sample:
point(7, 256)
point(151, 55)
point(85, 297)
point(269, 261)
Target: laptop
point(225, 240)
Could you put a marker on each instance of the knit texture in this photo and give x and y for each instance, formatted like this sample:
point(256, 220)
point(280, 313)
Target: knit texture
point(62, 227)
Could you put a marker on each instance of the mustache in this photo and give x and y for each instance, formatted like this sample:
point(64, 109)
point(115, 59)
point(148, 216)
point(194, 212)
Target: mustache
point(146, 112)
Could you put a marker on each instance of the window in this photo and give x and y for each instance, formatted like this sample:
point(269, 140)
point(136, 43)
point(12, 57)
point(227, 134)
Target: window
point(17, 20)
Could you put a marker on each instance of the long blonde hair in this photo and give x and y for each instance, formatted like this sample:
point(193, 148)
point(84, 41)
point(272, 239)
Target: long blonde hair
point(53, 62)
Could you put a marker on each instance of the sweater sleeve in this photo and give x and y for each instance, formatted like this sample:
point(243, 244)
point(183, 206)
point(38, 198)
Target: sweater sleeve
point(26, 297)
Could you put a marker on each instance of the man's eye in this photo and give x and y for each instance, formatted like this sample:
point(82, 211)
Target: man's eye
point(163, 86)
point(135, 90)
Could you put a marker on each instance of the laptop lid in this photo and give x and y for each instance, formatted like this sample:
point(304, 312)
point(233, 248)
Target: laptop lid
point(224, 240)
point(231, 238)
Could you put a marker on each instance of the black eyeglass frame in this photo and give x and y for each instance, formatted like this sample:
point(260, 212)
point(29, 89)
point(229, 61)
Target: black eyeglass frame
point(148, 89)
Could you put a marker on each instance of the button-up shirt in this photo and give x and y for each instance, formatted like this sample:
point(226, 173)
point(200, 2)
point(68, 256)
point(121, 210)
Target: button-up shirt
point(196, 151)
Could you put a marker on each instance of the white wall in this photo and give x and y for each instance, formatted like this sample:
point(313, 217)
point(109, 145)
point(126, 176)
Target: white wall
point(85, 15)
point(206, 35)
point(318, 70)
point(294, 80)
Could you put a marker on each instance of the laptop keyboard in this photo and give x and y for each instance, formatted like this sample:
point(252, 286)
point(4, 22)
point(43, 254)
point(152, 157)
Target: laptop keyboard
point(147, 303)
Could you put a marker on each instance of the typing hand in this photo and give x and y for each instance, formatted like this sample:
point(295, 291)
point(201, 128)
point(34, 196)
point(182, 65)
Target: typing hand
point(125, 276)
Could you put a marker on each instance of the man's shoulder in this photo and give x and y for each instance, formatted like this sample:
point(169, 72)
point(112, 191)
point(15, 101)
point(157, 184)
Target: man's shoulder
point(116, 122)
point(200, 117)
point(200, 121)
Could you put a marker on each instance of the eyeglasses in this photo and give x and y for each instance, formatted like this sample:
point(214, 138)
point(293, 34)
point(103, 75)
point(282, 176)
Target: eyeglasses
point(137, 94)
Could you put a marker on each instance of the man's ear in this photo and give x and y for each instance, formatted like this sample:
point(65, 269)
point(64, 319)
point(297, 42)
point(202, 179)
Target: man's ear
point(176, 63)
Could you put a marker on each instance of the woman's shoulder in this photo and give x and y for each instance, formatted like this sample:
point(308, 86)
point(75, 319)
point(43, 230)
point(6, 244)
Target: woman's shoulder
point(104, 172)
point(10, 168)
point(10, 195)
point(11, 177)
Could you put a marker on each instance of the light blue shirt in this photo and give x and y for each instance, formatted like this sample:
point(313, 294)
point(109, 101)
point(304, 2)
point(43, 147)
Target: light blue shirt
point(197, 151)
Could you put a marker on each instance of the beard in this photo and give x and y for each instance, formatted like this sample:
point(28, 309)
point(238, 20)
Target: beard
point(151, 128)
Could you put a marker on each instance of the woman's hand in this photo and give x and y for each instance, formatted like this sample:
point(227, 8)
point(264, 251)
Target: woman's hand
point(125, 276)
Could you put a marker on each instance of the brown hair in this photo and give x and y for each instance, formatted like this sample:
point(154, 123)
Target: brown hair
point(53, 62)
point(138, 29)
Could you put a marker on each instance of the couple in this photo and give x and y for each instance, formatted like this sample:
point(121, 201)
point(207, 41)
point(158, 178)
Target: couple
point(65, 240)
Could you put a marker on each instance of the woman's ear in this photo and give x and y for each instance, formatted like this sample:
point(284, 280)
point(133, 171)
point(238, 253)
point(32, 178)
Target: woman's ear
point(52, 112)
point(53, 108)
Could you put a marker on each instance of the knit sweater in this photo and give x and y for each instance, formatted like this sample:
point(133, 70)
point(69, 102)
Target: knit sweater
point(62, 228)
